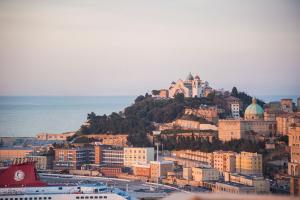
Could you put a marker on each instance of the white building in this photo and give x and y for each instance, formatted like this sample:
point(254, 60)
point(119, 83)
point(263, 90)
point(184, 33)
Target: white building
point(235, 110)
point(191, 87)
point(138, 155)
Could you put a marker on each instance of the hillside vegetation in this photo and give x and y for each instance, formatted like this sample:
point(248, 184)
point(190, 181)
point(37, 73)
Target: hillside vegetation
point(137, 120)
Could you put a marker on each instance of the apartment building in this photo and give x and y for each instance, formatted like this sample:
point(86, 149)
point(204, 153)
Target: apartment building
point(261, 185)
point(233, 188)
point(294, 164)
point(138, 155)
point(249, 163)
point(160, 169)
point(72, 158)
point(108, 155)
point(224, 161)
point(205, 174)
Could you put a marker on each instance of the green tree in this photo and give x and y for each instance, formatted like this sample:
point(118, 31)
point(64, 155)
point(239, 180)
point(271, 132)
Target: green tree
point(179, 98)
point(155, 92)
point(234, 92)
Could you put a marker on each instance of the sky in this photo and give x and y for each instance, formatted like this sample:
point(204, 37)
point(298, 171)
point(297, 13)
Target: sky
point(131, 47)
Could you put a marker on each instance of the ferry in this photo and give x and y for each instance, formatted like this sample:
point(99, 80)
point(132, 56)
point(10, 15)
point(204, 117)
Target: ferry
point(21, 182)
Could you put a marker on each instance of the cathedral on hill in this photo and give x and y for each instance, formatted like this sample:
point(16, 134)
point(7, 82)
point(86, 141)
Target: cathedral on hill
point(190, 87)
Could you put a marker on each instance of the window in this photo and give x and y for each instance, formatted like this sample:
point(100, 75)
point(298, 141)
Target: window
point(91, 197)
point(82, 197)
point(60, 188)
point(77, 197)
point(44, 198)
point(96, 197)
point(40, 197)
point(86, 197)
point(49, 198)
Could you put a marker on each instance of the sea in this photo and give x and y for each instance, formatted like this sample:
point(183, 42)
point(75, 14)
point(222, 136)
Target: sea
point(25, 116)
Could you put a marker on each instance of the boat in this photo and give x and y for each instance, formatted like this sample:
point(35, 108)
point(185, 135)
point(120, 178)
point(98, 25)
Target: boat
point(21, 182)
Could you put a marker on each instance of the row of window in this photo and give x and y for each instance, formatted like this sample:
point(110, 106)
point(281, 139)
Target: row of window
point(29, 198)
point(49, 198)
point(91, 197)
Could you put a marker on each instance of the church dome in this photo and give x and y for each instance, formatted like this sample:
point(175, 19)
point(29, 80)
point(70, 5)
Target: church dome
point(197, 77)
point(254, 111)
point(189, 77)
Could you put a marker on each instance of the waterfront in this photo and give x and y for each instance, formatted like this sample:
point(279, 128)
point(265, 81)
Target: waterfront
point(25, 116)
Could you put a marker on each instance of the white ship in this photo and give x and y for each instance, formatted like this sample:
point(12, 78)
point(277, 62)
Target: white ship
point(20, 182)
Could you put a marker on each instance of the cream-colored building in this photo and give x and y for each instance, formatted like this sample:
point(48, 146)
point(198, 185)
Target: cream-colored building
point(206, 158)
point(234, 188)
point(210, 113)
point(260, 184)
point(294, 164)
point(286, 105)
point(249, 163)
point(187, 173)
point(7, 153)
point(246, 128)
point(284, 121)
point(41, 162)
point(53, 136)
point(138, 155)
point(224, 161)
point(205, 174)
point(160, 169)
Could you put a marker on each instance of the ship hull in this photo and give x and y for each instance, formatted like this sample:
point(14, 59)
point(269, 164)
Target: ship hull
point(103, 196)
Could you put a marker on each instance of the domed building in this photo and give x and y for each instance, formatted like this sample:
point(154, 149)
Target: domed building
point(254, 111)
point(251, 126)
point(190, 87)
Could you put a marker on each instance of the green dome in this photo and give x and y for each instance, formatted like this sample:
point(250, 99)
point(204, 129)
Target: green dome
point(254, 110)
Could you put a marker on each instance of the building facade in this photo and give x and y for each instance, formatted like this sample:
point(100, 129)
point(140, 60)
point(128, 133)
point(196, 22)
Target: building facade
point(224, 161)
point(14, 153)
point(286, 105)
point(191, 87)
point(160, 169)
point(234, 188)
point(138, 155)
point(72, 158)
point(205, 174)
point(294, 164)
point(109, 156)
point(249, 163)
point(52, 136)
point(261, 185)
point(247, 128)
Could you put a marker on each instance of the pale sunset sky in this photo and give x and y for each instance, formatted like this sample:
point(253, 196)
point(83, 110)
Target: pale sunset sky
point(131, 47)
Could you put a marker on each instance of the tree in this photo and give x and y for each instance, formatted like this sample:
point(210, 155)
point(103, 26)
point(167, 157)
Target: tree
point(179, 98)
point(155, 92)
point(234, 92)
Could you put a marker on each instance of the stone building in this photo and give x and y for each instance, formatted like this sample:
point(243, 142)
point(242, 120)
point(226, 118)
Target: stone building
point(224, 161)
point(294, 164)
point(284, 121)
point(253, 123)
point(261, 185)
point(205, 174)
point(249, 163)
point(286, 105)
point(210, 113)
point(234, 188)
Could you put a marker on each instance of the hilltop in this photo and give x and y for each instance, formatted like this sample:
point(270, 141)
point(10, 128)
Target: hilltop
point(137, 119)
